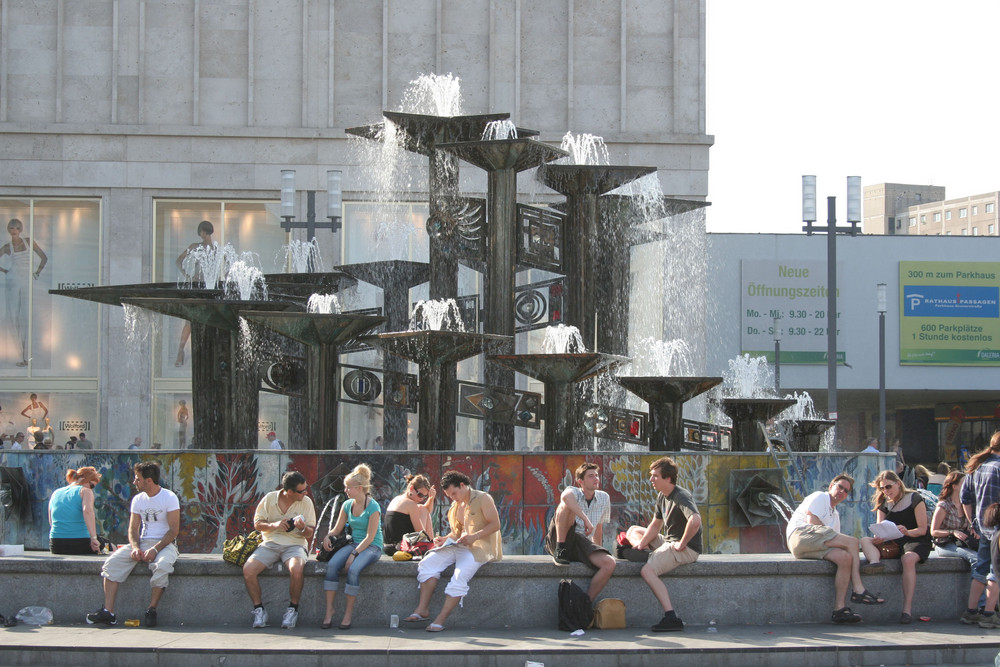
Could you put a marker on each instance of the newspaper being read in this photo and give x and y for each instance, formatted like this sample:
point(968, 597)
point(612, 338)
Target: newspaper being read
point(887, 530)
point(447, 543)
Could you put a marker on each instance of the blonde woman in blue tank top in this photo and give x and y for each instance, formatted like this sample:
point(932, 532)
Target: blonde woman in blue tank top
point(365, 517)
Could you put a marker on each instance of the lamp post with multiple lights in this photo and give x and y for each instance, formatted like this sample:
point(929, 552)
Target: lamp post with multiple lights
point(831, 230)
point(310, 224)
point(881, 364)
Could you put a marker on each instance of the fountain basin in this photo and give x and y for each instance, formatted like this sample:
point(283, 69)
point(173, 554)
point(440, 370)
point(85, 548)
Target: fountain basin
point(747, 415)
point(316, 329)
point(666, 397)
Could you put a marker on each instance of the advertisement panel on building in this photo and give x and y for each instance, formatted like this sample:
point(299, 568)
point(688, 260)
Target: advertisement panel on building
point(787, 298)
point(949, 313)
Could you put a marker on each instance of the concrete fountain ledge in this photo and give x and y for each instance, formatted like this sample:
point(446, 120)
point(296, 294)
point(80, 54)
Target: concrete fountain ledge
point(518, 592)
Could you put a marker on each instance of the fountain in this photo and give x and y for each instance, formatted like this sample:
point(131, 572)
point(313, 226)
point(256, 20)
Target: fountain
point(802, 426)
point(666, 389)
point(587, 244)
point(564, 364)
point(322, 333)
point(434, 350)
point(748, 400)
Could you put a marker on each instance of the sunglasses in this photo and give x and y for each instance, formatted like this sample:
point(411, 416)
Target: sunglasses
point(420, 494)
point(301, 490)
point(886, 486)
point(843, 488)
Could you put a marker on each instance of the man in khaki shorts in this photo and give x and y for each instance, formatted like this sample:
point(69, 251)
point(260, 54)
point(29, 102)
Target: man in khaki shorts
point(814, 532)
point(286, 519)
point(677, 516)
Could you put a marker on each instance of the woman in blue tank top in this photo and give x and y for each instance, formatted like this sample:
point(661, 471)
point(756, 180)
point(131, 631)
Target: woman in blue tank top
point(365, 517)
point(71, 514)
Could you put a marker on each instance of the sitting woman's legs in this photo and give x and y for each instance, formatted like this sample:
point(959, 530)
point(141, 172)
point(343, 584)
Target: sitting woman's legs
point(332, 581)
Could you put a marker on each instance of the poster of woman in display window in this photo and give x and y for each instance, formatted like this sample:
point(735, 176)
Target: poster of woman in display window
point(16, 266)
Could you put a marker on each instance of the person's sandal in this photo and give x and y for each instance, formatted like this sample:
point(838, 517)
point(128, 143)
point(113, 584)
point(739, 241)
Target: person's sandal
point(866, 598)
point(845, 615)
point(905, 618)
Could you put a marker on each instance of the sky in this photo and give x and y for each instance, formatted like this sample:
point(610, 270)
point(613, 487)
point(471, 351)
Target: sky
point(898, 91)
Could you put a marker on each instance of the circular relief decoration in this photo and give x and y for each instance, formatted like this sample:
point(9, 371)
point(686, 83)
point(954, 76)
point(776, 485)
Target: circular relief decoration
point(529, 307)
point(362, 386)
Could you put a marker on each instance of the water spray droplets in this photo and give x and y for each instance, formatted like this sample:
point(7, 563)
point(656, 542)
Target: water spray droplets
point(585, 149)
point(562, 339)
point(433, 95)
point(441, 315)
point(499, 130)
point(323, 303)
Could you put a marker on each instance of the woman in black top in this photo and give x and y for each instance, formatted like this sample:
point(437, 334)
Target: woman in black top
point(409, 512)
point(904, 507)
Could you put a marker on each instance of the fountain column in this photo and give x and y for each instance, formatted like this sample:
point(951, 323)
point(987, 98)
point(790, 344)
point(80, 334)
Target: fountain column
point(433, 350)
point(586, 246)
point(423, 134)
point(395, 278)
point(221, 382)
point(211, 393)
point(561, 372)
point(322, 333)
point(502, 160)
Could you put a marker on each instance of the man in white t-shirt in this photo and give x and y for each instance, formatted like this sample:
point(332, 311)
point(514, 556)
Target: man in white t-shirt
point(576, 532)
point(154, 523)
point(814, 532)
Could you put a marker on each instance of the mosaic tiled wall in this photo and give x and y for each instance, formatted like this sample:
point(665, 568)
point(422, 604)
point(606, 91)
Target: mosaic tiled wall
point(219, 490)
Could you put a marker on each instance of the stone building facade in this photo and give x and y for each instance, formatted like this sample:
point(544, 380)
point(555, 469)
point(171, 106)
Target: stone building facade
point(122, 121)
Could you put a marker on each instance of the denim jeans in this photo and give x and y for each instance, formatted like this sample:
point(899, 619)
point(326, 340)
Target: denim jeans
point(981, 569)
point(952, 550)
point(337, 562)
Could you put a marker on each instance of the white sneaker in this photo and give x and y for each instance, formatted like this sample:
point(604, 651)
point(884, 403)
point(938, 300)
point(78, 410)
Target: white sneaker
point(259, 617)
point(290, 618)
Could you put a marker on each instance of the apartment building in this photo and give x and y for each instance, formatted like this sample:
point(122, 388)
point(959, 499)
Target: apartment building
point(901, 209)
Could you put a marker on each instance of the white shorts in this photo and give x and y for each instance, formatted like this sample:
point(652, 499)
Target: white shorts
point(119, 564)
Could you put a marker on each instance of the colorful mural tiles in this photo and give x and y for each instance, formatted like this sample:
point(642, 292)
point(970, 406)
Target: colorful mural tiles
point(219, 490)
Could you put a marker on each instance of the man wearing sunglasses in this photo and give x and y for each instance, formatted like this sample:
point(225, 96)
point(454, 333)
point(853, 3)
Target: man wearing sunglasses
point(576, 531)
point(814, 532)
point(286, 519)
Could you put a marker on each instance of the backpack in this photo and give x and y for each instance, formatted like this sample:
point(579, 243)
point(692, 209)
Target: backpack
point(576, 612)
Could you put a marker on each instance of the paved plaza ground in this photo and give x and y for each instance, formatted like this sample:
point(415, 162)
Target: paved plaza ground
point(934, 642)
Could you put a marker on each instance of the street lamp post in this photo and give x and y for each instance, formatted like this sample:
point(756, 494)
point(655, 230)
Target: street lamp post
point(777, 357)
point(333, 207)
point(831, 230)
point(881, 364)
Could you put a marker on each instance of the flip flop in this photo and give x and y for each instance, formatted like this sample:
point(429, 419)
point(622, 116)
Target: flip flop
point(416, 618)
point(435, 627)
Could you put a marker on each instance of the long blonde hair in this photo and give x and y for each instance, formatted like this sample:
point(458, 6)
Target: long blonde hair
point(360, 476)
point(879, 497)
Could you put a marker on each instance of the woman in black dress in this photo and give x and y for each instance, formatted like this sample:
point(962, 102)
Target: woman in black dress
point(904, 507)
